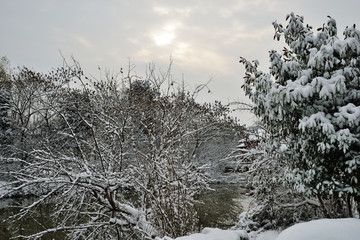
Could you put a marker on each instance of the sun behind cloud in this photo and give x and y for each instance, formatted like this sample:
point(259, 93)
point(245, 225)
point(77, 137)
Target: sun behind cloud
point(164, 39)
point(166, 36)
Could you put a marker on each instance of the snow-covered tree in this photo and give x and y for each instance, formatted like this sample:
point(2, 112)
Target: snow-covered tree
point(5, 121)
point(310, 103)
point(116, 157)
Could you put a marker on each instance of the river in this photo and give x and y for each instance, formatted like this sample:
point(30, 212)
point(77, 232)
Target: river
point(220, 208)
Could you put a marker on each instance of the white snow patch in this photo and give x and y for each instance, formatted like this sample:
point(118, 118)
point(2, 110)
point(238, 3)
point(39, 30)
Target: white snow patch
point(4, 188)
point(323, 229)
point(268, 235)
point(214, 234)
point(283, 147)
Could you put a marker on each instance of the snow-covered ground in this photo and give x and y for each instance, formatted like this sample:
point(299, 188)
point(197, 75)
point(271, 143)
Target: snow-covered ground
point(214, 234)
point(323, 229)
point(268, 235)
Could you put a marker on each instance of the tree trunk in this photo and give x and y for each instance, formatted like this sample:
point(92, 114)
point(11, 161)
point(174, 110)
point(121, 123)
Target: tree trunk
point(325, 211)
point(348, 202)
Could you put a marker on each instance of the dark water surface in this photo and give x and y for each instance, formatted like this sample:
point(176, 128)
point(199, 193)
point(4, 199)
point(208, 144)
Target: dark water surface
point(39, 220)
point(222, 206)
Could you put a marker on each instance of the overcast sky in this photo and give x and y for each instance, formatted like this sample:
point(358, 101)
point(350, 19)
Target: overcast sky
point(205, 38)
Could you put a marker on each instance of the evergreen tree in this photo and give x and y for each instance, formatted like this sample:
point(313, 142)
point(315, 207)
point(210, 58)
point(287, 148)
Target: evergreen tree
point(310, 102)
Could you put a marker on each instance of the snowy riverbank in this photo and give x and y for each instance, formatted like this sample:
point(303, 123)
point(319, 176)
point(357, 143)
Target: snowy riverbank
point(322, 229)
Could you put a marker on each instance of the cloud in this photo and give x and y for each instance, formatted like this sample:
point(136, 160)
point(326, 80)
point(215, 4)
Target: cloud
point(161, 10)
point(202, 59)
point(242, 35)
point(253, 7)
point(83, 41)
point(166, 11)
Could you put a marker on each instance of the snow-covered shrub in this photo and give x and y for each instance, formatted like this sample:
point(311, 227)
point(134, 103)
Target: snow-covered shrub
point(273, 203)
point(310, 103)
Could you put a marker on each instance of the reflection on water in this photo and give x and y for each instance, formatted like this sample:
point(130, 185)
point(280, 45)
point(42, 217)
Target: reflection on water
point(38, 221)
point(220, 208)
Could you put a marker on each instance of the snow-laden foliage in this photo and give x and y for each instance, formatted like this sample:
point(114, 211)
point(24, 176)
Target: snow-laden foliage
point(310, 102)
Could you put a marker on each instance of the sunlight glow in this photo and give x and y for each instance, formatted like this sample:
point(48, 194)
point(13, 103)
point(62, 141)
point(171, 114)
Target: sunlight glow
point(163, 39)
point(166, 36)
